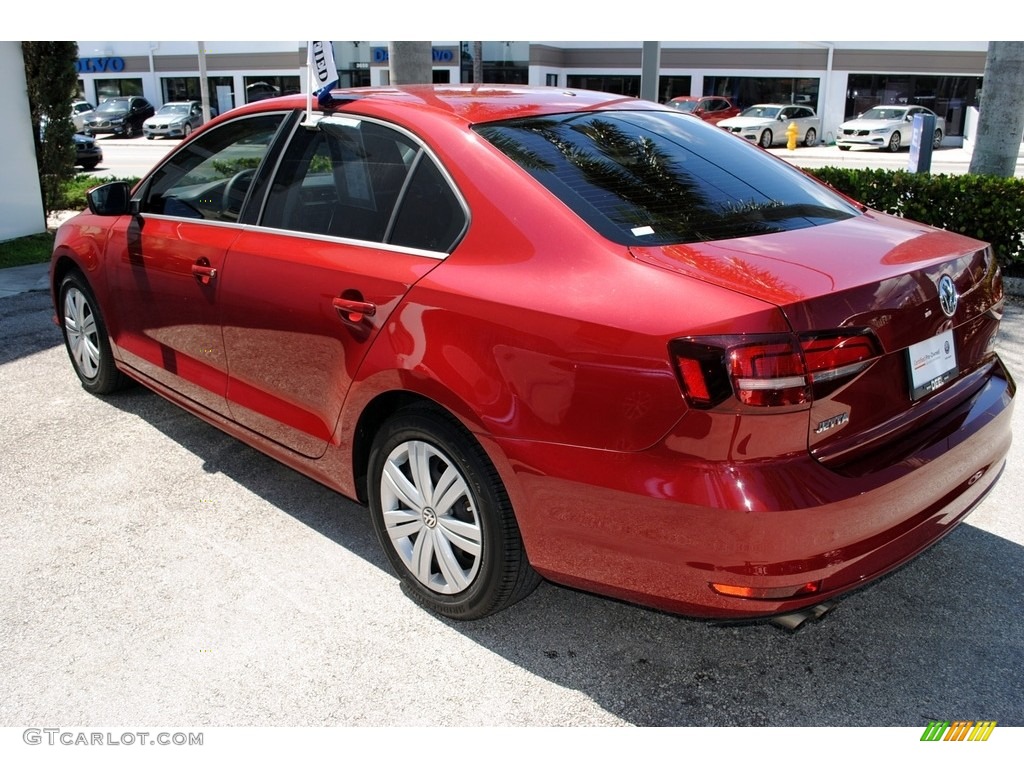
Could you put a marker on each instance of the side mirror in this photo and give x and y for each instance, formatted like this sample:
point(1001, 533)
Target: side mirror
point(113, 199)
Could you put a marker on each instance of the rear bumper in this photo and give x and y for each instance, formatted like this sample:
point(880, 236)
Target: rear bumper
point(660, 528)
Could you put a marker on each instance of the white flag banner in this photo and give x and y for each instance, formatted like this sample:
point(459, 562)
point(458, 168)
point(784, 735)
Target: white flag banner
point(323, 71)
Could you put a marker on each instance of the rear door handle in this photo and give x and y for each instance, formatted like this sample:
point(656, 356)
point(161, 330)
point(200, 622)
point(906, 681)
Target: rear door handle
point(352, 310)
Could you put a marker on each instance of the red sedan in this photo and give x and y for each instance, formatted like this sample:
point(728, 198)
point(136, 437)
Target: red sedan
point(544, 333)
point(710, 109)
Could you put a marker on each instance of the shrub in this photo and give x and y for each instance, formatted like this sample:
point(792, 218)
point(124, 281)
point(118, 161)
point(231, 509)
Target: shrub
point(72, 193)
point(984, 207)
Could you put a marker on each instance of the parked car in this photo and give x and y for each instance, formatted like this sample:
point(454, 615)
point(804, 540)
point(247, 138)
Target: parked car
point(122, 115)
point(87, 152)
point(175, 119)
point(885, 126)
point(711, 109)
point(80, 112)
point(560, 335)
point(766, 124)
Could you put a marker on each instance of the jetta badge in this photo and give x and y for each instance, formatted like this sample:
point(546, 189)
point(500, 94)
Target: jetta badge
point(947, 295)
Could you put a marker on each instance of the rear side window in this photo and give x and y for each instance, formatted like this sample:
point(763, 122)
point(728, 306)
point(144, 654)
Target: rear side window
point(361, 180)
point(657, 178)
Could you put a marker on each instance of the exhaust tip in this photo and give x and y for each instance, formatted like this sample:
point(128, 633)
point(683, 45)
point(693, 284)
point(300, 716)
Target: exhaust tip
point(793, 621)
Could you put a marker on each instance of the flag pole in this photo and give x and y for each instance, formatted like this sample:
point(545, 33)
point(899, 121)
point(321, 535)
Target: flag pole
point(309, 83)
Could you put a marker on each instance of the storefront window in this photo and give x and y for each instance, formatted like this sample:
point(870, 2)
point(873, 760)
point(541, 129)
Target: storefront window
point(747, 91)
point(670, 87)
point(126, 86)
point(624, 85)
point(262, 87)
point(946, 96)
point(503, 62)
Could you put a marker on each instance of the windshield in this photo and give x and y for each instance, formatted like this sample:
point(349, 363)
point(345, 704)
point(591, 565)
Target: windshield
point(884, 113)
point(760, 110)
point(683, 106)
point(659, 178)
point(174, 109)
point(114, 105)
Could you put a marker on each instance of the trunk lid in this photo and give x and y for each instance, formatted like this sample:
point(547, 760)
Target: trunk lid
point(880, 275)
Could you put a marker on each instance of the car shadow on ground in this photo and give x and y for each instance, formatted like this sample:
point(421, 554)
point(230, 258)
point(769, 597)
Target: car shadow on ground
point(937, 640)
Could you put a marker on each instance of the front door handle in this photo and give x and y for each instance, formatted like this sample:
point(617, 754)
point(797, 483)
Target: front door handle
point(352, 310)
point(203, 272)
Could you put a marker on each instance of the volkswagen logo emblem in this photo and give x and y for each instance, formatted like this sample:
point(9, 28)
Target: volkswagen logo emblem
point(947, 295)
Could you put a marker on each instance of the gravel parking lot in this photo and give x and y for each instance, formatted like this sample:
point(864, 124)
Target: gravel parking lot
point(156, 571)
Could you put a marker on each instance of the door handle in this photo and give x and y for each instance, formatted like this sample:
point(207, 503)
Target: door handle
point(203, 273)
point(352, 310)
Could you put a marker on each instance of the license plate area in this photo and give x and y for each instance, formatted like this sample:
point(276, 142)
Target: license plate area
point(931, 364)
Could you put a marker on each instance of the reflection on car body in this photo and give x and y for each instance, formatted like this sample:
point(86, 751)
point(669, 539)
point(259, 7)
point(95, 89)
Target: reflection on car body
point(561, 334)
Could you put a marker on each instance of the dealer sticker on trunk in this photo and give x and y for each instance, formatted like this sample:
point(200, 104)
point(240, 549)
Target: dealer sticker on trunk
point(932, 363)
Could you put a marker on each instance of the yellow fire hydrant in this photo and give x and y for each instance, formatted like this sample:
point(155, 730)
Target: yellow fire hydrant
point(791, 133)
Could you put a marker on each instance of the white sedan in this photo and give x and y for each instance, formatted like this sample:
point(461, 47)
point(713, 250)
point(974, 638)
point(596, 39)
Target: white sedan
point(885, 126)
point(766, 124)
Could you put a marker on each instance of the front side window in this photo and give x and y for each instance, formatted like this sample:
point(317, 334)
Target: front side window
point(656, 178)
point(210, 177)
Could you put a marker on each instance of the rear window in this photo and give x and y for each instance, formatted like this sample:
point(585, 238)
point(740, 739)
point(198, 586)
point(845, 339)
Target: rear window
point(658, 178)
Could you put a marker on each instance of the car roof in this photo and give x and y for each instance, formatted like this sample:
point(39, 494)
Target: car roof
point(471, 103)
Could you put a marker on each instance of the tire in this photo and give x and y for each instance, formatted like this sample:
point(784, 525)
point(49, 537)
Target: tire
point(766, 138)
point(86, 339)
point(811, 138)
point(444, 519)
point(895, 141)
point(937, 141)
point(88, 166)
point(129, 131)
point(843, 147)
point(149, 137)
point(186, 130)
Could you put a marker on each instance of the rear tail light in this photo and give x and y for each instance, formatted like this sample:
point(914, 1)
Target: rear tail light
point(771, 370)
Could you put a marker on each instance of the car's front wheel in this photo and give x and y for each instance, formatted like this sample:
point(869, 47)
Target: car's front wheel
point(186, 130)
point(766, 139)
point(443, 517)
point(85, 337)
point(937, 140)
point(895, 141)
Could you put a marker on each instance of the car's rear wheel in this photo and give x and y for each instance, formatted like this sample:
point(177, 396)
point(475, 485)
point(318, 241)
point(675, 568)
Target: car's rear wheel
point(85, 337)
point(937, 141)
point(443, 517)
point(895, 141)
point(810, 138)
point(766, 138)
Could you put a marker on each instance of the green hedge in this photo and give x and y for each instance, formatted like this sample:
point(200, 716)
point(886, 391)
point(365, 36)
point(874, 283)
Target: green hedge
point(72, 192)
point(983, 207)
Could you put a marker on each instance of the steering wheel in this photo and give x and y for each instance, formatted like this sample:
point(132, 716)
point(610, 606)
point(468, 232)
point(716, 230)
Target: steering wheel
point(236, 187)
